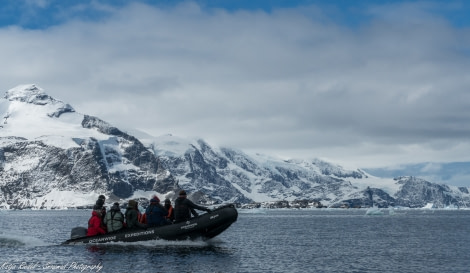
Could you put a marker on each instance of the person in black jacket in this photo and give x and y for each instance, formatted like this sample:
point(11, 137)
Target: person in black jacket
point(132, 215)
point(184, 208)
point(100, 202)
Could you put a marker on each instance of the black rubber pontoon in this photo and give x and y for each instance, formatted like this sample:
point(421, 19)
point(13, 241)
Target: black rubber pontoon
point(203, 227)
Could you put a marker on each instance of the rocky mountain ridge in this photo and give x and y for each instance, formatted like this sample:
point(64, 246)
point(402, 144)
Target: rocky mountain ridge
point(60, 158)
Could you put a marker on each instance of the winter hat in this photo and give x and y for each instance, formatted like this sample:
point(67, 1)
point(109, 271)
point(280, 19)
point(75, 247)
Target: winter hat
point(115, 206)
point(155, 199)
point(182, 193)
point(167, 201)
point(132, 204)
point(100, 201)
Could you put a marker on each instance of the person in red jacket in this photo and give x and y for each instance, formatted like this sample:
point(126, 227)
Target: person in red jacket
point(94, 224)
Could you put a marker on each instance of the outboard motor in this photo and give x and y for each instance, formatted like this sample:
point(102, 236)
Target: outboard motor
point(78, 232)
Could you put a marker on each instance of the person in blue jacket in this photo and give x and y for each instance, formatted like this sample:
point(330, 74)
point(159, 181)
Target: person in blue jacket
point(156, 213)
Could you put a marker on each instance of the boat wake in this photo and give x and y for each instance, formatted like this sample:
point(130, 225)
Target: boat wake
point(161, 243)
point(12, 240)
point(165, 246)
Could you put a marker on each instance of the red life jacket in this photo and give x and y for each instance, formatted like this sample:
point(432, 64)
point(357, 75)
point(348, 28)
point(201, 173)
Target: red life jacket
point(142, 218)
point(170, 213)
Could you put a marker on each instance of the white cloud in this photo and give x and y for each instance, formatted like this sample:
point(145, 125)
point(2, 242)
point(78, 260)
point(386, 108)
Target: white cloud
point(289, 82)
point(431, 167)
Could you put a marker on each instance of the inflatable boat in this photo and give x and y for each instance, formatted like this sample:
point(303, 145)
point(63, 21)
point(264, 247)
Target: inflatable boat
point(205, 226)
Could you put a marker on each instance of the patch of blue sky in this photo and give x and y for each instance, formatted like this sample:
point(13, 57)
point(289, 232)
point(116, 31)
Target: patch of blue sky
point(443, 171)
point(41, 14)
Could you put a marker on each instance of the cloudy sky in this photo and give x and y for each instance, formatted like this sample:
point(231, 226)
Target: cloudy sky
point(360, 83)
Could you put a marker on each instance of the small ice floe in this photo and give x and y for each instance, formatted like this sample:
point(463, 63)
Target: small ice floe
point(374, 211)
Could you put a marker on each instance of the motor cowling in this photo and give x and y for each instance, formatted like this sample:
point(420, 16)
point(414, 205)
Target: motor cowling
point(78, 232)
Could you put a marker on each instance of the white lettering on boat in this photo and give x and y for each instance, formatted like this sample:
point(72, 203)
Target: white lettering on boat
point(189, 226)
point(104, 239)
point(147, 232)
point(214, 216)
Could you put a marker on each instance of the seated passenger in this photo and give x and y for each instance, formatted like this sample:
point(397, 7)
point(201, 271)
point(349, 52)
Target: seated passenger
point(169, 208)
point(156, 213)
point(184, 208)
point(114, 219)
point(100, 205)
point(132, 215)
point(94, 224)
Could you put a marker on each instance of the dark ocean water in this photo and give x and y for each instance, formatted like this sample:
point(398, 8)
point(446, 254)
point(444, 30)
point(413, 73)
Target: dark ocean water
point(260, 241)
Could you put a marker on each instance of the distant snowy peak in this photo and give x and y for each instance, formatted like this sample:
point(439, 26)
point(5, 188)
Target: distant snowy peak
point(33, 94)
point(29, 93)
point(29, 113)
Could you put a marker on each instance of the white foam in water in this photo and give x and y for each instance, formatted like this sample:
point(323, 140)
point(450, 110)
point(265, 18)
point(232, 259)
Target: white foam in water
point(8, 239)
point(162, 243)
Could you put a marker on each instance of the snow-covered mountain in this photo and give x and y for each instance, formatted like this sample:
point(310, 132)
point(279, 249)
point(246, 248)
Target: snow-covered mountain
point(52, 156)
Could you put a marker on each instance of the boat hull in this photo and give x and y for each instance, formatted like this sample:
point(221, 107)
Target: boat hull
point(203, 227)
